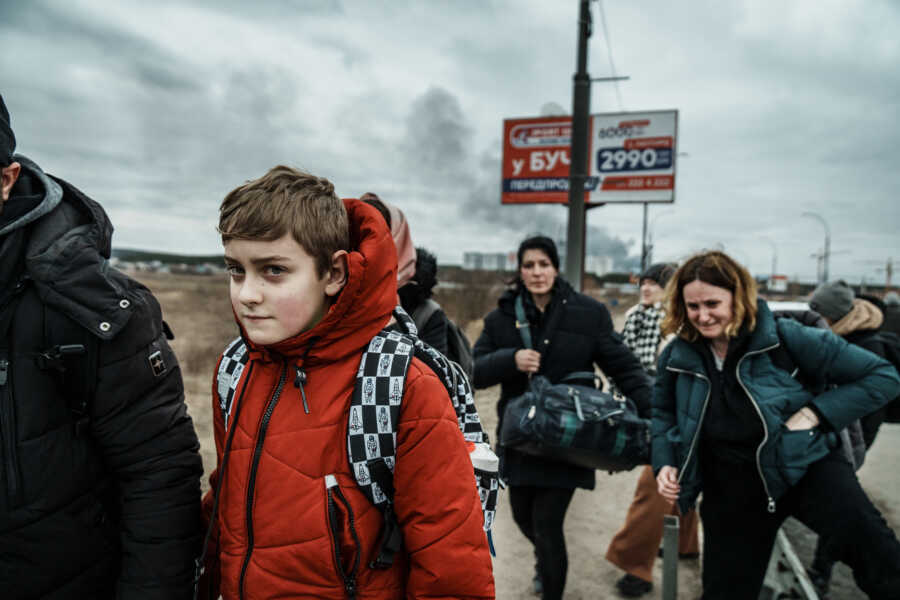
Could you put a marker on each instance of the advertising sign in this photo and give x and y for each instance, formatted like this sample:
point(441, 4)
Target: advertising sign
point(633, 156)
point(536, 161)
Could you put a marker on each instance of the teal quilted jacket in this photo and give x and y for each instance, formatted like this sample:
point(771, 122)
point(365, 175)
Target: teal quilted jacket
point(863, 382)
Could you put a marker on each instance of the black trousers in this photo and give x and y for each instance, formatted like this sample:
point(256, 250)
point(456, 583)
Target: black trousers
point(739, 532)
point(539, 512)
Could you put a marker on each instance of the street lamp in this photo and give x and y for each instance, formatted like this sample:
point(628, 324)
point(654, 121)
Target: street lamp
point(774, 254)
point(827, 253)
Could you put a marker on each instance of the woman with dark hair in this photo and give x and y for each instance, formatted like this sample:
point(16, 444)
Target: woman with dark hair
point(731, 421)
point(572, 332)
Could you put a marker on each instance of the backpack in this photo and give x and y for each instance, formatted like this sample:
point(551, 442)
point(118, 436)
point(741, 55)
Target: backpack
point(459, 350)
point(372, 427)
point(890, 341)
point(372, 419)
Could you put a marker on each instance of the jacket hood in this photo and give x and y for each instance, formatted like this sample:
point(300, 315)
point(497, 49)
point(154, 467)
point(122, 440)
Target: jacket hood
point(863, 315)
point(363, 307)
point(40, 184)
point(66, 256)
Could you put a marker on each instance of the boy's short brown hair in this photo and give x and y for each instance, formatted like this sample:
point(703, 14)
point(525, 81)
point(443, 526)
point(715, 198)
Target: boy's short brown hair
point(718, 269)
point(287, 200)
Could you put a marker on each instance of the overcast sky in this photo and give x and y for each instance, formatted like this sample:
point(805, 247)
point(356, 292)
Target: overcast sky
point(158, 109)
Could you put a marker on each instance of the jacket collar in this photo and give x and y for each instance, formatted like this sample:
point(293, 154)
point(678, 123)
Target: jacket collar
point(863, 315)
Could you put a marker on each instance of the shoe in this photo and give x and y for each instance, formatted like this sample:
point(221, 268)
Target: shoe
point(632, 587)
point(681, 555)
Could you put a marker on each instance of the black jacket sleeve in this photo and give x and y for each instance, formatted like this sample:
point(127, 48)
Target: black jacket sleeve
point(493, 365)
point(147, 439)
point(616, 360)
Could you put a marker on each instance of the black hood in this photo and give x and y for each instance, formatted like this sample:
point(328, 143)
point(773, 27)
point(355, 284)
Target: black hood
point(34, 195)
point(66, 256)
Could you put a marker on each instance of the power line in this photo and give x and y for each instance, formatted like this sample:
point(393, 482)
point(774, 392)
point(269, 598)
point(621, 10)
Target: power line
point(612, 65)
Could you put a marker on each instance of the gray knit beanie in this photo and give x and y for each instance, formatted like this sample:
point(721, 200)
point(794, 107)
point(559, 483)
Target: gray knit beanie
point(659, 272)
point(892, 299)
point(832, 300)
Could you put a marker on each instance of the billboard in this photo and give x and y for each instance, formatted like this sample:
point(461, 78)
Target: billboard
point(536, 160)
point(631, 158)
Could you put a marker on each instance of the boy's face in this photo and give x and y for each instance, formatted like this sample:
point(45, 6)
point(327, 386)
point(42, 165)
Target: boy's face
point(276, 291)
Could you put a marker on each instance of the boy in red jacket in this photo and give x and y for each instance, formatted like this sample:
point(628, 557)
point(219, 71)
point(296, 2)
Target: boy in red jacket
point(313, 279)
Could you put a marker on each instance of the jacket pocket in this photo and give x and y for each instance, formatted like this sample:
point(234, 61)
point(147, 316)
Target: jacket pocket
point(341, 526)
point(797, 449)
point(8, 438)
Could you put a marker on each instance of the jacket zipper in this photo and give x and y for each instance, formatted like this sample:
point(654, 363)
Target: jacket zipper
point(770, 506)
point(699, 424)
point(8, 430)
point(333, 491)
point(257, 453)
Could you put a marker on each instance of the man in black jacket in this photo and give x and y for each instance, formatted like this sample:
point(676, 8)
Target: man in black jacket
point(99, 464)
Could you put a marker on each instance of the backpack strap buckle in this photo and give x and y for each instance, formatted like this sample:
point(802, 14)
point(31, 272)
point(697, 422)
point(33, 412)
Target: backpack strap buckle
point(390, 541)
point(54, 359)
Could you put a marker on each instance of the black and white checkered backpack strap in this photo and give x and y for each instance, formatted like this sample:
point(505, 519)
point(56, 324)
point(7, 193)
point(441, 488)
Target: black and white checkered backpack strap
point(228, 376)
point(484, 460)
point(454, 379)
point(372, 430)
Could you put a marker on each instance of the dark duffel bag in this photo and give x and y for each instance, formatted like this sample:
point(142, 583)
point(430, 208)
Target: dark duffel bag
point(576, 424)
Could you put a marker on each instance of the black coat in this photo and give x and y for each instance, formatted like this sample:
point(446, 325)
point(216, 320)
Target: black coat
point(892, 319)
point(582, 337)
point(112, 511)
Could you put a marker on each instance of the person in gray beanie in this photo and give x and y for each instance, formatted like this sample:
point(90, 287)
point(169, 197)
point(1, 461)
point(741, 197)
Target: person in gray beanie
point(858, 321)
point(832, 300)
point(99, 465)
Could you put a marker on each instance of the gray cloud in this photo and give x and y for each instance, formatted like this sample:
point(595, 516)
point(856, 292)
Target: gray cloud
point(158, 110)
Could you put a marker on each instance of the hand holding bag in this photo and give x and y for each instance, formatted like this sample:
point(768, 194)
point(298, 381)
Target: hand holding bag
point(573, 423)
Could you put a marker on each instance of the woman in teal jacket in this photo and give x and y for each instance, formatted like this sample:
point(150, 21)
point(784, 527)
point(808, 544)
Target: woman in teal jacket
point(741, 412)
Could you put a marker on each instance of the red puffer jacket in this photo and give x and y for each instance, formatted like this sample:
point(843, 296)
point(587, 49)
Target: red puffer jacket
point(272, 536)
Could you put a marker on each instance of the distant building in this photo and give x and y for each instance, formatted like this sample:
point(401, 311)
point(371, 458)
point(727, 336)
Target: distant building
point(489, 261)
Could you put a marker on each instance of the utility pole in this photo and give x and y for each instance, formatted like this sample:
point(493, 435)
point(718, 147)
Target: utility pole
point(581, 101)
point(645, 243)
point(774, 256)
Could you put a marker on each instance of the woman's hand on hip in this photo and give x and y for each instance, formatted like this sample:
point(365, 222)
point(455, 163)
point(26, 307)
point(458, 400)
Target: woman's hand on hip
point(667, 483)
point(805, 418)
point(527, 360)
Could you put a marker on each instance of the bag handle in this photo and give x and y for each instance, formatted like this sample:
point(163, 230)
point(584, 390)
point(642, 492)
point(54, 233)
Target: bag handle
point(581, 375)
